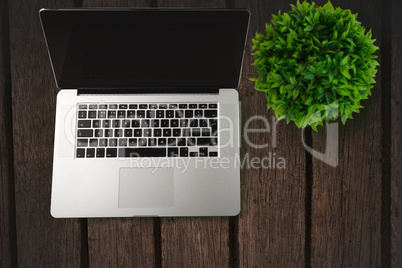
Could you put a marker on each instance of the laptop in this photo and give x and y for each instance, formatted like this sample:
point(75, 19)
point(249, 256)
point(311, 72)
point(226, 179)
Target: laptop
point(147, 113)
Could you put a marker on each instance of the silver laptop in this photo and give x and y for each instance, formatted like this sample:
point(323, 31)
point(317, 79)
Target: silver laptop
point(147, 117)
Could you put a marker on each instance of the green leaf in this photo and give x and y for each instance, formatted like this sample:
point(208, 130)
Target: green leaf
point(309, 76)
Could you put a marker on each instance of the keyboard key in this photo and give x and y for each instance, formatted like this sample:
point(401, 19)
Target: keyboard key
point(172, 106)
point(108, 133)
point(184, 151)
point(142, 142)
point(93, 142)
point(102, 106)
point(183, 106)
point(90, 152)
point(167, 132)
point(128, 133)
point(171, 141)
point(135, 123)
point(112, 106)
point(132, 142)
point(147, 132)
point(194, 123)
point(161, 142)
point(96, 124)
point(186, 132)
point(116, 123)
point(152, 142)
point(137, 132)
point(207, 141)
point(157, 132)
point(102, 142)
point(92, 114)
point(198, 113)
point(123, 142)
point(122, 106)
point(188, 113)
point(153, 106)
point(213, 153)
point(184, 122)
point(164, 123)
point(179, 113)
point(193, 154)
point(140, 114)
point(173, 152)
point(203, 123)
point(111, 152)
point(118, 132)
point(145, 123)
point(106, 123)
point(211, 113)
point(181, 142)
point(193, 106)
point(82, 142)
point(98, 133)
point(121, 114)
point(112, 142)
point(82, 114)
point(125, 123)
point(100, 152)
point(82, 106)
point(93, 106)
point(143, 106)
point(101, 114)
point(169, 113)
point(195, 132)
point(206, 132)
point(85, 133)
point(155, 123)
point(111, 114)
point(151, 114)
point(84, 123)
point(162, 106)
point(131, 114)
point(142, 152)
point(214, 127)
point(213, 105)
point(202, 106)
point(80, 153)
point(203, 151)
point(133, 106)
point(176, 132)
point(160, 114)
point(191, 142)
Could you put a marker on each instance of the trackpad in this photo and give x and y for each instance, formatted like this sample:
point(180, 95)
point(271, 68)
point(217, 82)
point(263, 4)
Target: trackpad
point(146, 187)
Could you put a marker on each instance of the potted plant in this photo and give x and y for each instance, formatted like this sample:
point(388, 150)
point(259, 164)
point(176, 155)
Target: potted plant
point(314, 64)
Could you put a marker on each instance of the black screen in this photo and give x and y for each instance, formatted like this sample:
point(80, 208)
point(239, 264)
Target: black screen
point(146, 48)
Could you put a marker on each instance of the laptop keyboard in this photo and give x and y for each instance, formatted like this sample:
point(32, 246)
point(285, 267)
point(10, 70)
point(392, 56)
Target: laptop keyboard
point(147, 130)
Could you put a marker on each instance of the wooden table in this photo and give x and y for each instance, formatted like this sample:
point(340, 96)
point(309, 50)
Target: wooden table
point(307, 214)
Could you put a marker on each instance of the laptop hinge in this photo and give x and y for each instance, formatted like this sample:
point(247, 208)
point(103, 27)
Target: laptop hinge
point(208, 90)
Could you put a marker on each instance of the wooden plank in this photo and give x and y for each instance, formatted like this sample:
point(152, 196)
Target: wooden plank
point(123, 242)
point(271, 225)
point(195, 242)
point(346, 202)
point(396, 136)
point(8, 250)
point(42, 241)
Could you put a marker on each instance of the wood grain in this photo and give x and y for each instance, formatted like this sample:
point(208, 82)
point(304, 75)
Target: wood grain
point(42, 241)
point(346, 202)
point(123, 242)
point(271, 225)
point(195, 242)
point(7, 205)
point(396, 136)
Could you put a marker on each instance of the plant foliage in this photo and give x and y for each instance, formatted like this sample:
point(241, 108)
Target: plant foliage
point(314, 64)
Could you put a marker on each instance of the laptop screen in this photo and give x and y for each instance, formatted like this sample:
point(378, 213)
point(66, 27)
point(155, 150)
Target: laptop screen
point(146, 48)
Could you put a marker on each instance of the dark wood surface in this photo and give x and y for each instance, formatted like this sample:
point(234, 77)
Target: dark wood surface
point(308, 214)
